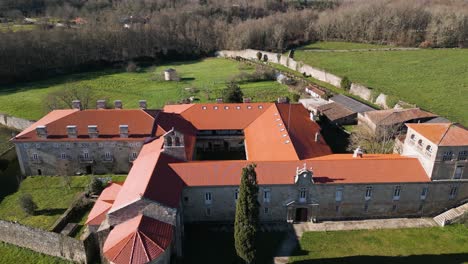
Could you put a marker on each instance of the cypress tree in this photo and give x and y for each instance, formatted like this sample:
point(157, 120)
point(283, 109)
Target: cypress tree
point(246, 223)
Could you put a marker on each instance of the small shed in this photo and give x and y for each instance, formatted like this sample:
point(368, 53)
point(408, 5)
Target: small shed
point(170, 75)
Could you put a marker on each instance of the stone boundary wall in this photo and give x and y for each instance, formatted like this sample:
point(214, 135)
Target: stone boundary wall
point(41, 241)
point(69, 213)
point(321, 75)
point(15, 122)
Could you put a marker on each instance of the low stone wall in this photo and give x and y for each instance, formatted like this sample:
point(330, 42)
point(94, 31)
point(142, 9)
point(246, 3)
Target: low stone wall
point(41, 241)
point(77, 204)
point(15, 122)
point(321, 75)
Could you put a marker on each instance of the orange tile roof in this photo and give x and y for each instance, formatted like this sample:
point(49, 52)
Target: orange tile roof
point(224, 116)
point(442, 134)
point(140, 124)
point(103, 204)
point(338, 168)
point(139, 240)
point(177, 108)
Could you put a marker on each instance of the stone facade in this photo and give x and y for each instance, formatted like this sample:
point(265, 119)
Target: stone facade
point(77, 157)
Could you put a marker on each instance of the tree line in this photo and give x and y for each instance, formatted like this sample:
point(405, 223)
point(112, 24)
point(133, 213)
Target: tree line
point(124, 30)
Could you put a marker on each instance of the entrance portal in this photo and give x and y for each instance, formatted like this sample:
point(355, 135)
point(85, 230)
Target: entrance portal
point(301, 214)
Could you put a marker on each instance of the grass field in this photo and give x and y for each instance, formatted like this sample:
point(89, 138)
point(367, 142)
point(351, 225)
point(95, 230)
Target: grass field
point(5, 27)
point(50, 195)
point(423, 245)
point(10, 254)
point(5, 135)
point(208, 76)
point(338, 45)
point(436, 80)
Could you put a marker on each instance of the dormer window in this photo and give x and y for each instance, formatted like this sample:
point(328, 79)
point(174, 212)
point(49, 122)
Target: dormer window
point(249, 107)
point(215, 107)
point(238, 107)
point(260, 107)
point(226, 108)
point(203, 107)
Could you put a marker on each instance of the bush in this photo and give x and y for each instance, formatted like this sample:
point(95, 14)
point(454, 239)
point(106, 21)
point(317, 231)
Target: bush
point(95, 186)
point(345, 83)
point(259, 55)
point(265, 58)
point(232, 93)
point(296, 97)
point(131, 67)
point(27, 204)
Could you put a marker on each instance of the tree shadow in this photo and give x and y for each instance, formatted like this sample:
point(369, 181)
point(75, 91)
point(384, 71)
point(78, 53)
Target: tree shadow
point(442, 258)
point(186, 79)
point(50, 212)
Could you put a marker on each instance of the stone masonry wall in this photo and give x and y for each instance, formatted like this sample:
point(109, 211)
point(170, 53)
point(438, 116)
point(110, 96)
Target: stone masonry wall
point(41, 241)
point(321, 75)
point(15, 122)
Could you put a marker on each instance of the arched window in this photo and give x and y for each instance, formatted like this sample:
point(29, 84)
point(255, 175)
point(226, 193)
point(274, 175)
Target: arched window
point(429, 148)
point(169, 141)
point(420, 142)
point(413, 137)
point(177, 141)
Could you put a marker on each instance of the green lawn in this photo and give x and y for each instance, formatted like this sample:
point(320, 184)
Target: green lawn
point(420, 245)
point(5, 135)
point(208, 76)
point(10, 254)
point(50, 195)
point(338, 45)
point(203, 245)
point(436, 80)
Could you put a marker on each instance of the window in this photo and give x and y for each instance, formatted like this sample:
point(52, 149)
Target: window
point(447, 155)
point(394, 207)
point(35, 156)
point(458, 172)
point(266, 210)
point(396, 193)
point(420, 143)
point(463, 155)
point(424, 192)
point(85, 154)
point(186, 199)
point(337, 208)
point(266, 195)
point(413, 137)
point(67, 145)
point(368, 192)
point(302, 195)
point(453, 192)
point(428, 150)
point(38, 145)
point(236, 194)
point(101, 145)
point(169, 141)
point(208, 211)
point(366, 207)
point(177, 141)
point(208, 198)
point(56, 145)
point(63, 156)
point(134, 155)
point(339, 194)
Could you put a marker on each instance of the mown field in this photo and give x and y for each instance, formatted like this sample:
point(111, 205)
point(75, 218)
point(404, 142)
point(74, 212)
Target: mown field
point(339, 45)
point(208, 76)
point(420, 245)
point(436, 80)
point(10, 254)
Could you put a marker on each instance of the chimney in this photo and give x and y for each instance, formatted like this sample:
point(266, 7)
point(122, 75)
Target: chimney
point(123, 129)
point(282, 100)
point(101, 104)
point(142, 104)
point(93, 131)
point(41, 131)
point(247, 100)
point(358, 152)
point(317, 136)
point(118, 104)
point(219, 100)
point(71, 131)
point(76, 104)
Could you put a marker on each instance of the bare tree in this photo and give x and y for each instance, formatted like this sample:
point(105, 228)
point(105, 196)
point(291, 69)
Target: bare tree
point(381, 141)
point(63, 98)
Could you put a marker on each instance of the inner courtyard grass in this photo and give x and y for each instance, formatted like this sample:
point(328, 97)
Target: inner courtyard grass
point(417, 245)
point(435, 80)
point(208, 76)
point(10, 254)
point(51, 196)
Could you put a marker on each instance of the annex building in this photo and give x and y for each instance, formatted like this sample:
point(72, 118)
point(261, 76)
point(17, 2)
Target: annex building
point(184, 165)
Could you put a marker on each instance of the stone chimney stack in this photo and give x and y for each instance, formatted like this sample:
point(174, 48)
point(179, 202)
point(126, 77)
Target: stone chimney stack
point(71, 131)
point(219, 100)
point(101, 104)
point(142, 104)
point(93, 131)
point(358, 152)
point(118, 104)
point(247, 100)
point(282, 100)
point(317, 136)
point(76, 104)
point(41, 131)
point(123, 129)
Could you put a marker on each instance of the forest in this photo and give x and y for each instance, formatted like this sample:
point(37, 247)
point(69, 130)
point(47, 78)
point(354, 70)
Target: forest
point(97, 33)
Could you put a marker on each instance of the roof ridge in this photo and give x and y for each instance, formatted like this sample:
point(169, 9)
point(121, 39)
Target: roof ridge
point(128, 238)
point(445, 133)
point(139, 233)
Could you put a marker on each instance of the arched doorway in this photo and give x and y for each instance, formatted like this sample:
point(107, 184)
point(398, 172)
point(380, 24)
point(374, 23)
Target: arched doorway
point(301, 215)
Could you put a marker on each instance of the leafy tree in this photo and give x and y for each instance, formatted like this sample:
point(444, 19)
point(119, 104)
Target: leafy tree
point(27, 204)
point(95, 186)
point(259, 55)
point(246, 222)
point(232, 93)
point(345, 83)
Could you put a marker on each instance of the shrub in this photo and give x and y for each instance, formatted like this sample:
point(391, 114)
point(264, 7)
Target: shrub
point(265, 58)
point(296, 97)
point(232, 93)
point(131, 67)
point(27, 204)
point(259, 55)
point(95, 186)
point(345, 83)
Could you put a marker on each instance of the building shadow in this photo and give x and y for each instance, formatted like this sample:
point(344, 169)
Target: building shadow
point(442, 258)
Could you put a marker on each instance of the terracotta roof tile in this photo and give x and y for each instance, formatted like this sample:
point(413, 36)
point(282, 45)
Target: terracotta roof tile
point(103, 204)
point(139, 240)
point(334, 111)
point(443, 134)
point(397, 116)
point(140, 124)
